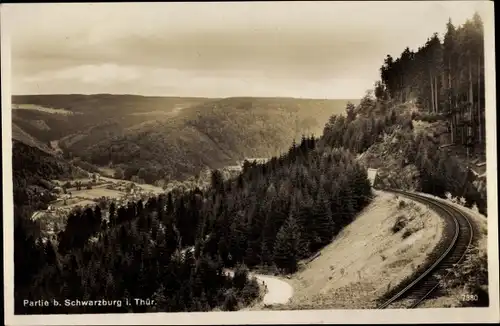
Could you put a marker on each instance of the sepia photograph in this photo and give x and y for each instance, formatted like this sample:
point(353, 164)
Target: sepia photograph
point(249, 162)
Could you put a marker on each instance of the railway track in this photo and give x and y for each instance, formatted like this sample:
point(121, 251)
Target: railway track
point(458, 236)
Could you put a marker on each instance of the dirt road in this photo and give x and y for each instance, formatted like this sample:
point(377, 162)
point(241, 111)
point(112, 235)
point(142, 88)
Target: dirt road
point(278, 291)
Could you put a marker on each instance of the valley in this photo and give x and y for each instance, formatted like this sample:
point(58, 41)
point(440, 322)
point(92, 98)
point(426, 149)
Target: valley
point(317, 280)
point(260, 203)
point(86, 190)
point(99, 190)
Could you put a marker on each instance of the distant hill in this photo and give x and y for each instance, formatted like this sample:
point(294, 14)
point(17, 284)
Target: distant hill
point(105, 104)
point(169, 137)
point(52, 117)
point(25, 138)
point(213, 134)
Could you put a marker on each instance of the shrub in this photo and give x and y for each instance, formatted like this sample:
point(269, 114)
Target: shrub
point(471, 275)
point(399, 225)
point(240, 278)
point(251, 291)
point(230, 301)
point(402, 204)
point(407, 233)
point(427, 117)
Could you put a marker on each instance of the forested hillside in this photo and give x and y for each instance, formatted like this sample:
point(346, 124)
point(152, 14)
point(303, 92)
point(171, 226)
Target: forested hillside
point(445, 77)
point(22, 136)
point(177, 137)
point(32, 171)
point(382, 129)
point(272, 214)
point(406, 158)
point(210, 135)
point(53, 117)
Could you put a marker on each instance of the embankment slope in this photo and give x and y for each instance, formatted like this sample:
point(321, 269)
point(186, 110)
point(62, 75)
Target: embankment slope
point(368, 258)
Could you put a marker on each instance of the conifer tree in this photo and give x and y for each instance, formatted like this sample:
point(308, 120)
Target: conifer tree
point(286, 249)
point(112, 214)
point(322, 217)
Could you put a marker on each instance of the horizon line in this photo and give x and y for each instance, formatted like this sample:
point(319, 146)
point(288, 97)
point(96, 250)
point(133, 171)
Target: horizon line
point(180, 96)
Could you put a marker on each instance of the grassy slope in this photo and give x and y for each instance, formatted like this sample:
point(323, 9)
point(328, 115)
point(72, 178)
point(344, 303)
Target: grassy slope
point(361, 265)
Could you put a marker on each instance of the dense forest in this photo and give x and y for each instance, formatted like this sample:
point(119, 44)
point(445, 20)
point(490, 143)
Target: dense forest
point(439, 171)
point(404, 84)
point(272, 214)
point(32, 171)
point(446, 77)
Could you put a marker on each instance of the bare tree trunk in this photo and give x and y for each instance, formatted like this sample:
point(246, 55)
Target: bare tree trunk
point(479, 134)
point(432, 91)
point(471, 104)
point(471, 91)
point(461, 121)
point(459, 109)
point(402, 90)
point(451, 108)
point(436, 79)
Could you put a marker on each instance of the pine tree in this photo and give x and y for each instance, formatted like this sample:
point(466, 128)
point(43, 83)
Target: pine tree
point(322, 219)
point(230, 301)
point(286, 249)
point(240, 276)
point(50, 254)
point(305, 221)
point(112, 212)
point(170, 204)
point(97, 218)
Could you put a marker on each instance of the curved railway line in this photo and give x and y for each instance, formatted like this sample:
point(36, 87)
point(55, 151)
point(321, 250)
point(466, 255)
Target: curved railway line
point(458, 236)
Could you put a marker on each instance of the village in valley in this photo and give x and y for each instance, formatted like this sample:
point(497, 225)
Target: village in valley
point(97, 189)
point(89, 192)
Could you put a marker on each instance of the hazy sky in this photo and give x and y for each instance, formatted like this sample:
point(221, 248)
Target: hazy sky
point(299, 49)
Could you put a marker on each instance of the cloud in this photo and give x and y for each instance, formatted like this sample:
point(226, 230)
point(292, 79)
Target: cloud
point(107, 78)
point(100, 74)
point(280, 52)
point(115, 46)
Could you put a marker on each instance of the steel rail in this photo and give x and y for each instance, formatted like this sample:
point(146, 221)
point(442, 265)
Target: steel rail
point(453, 253)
